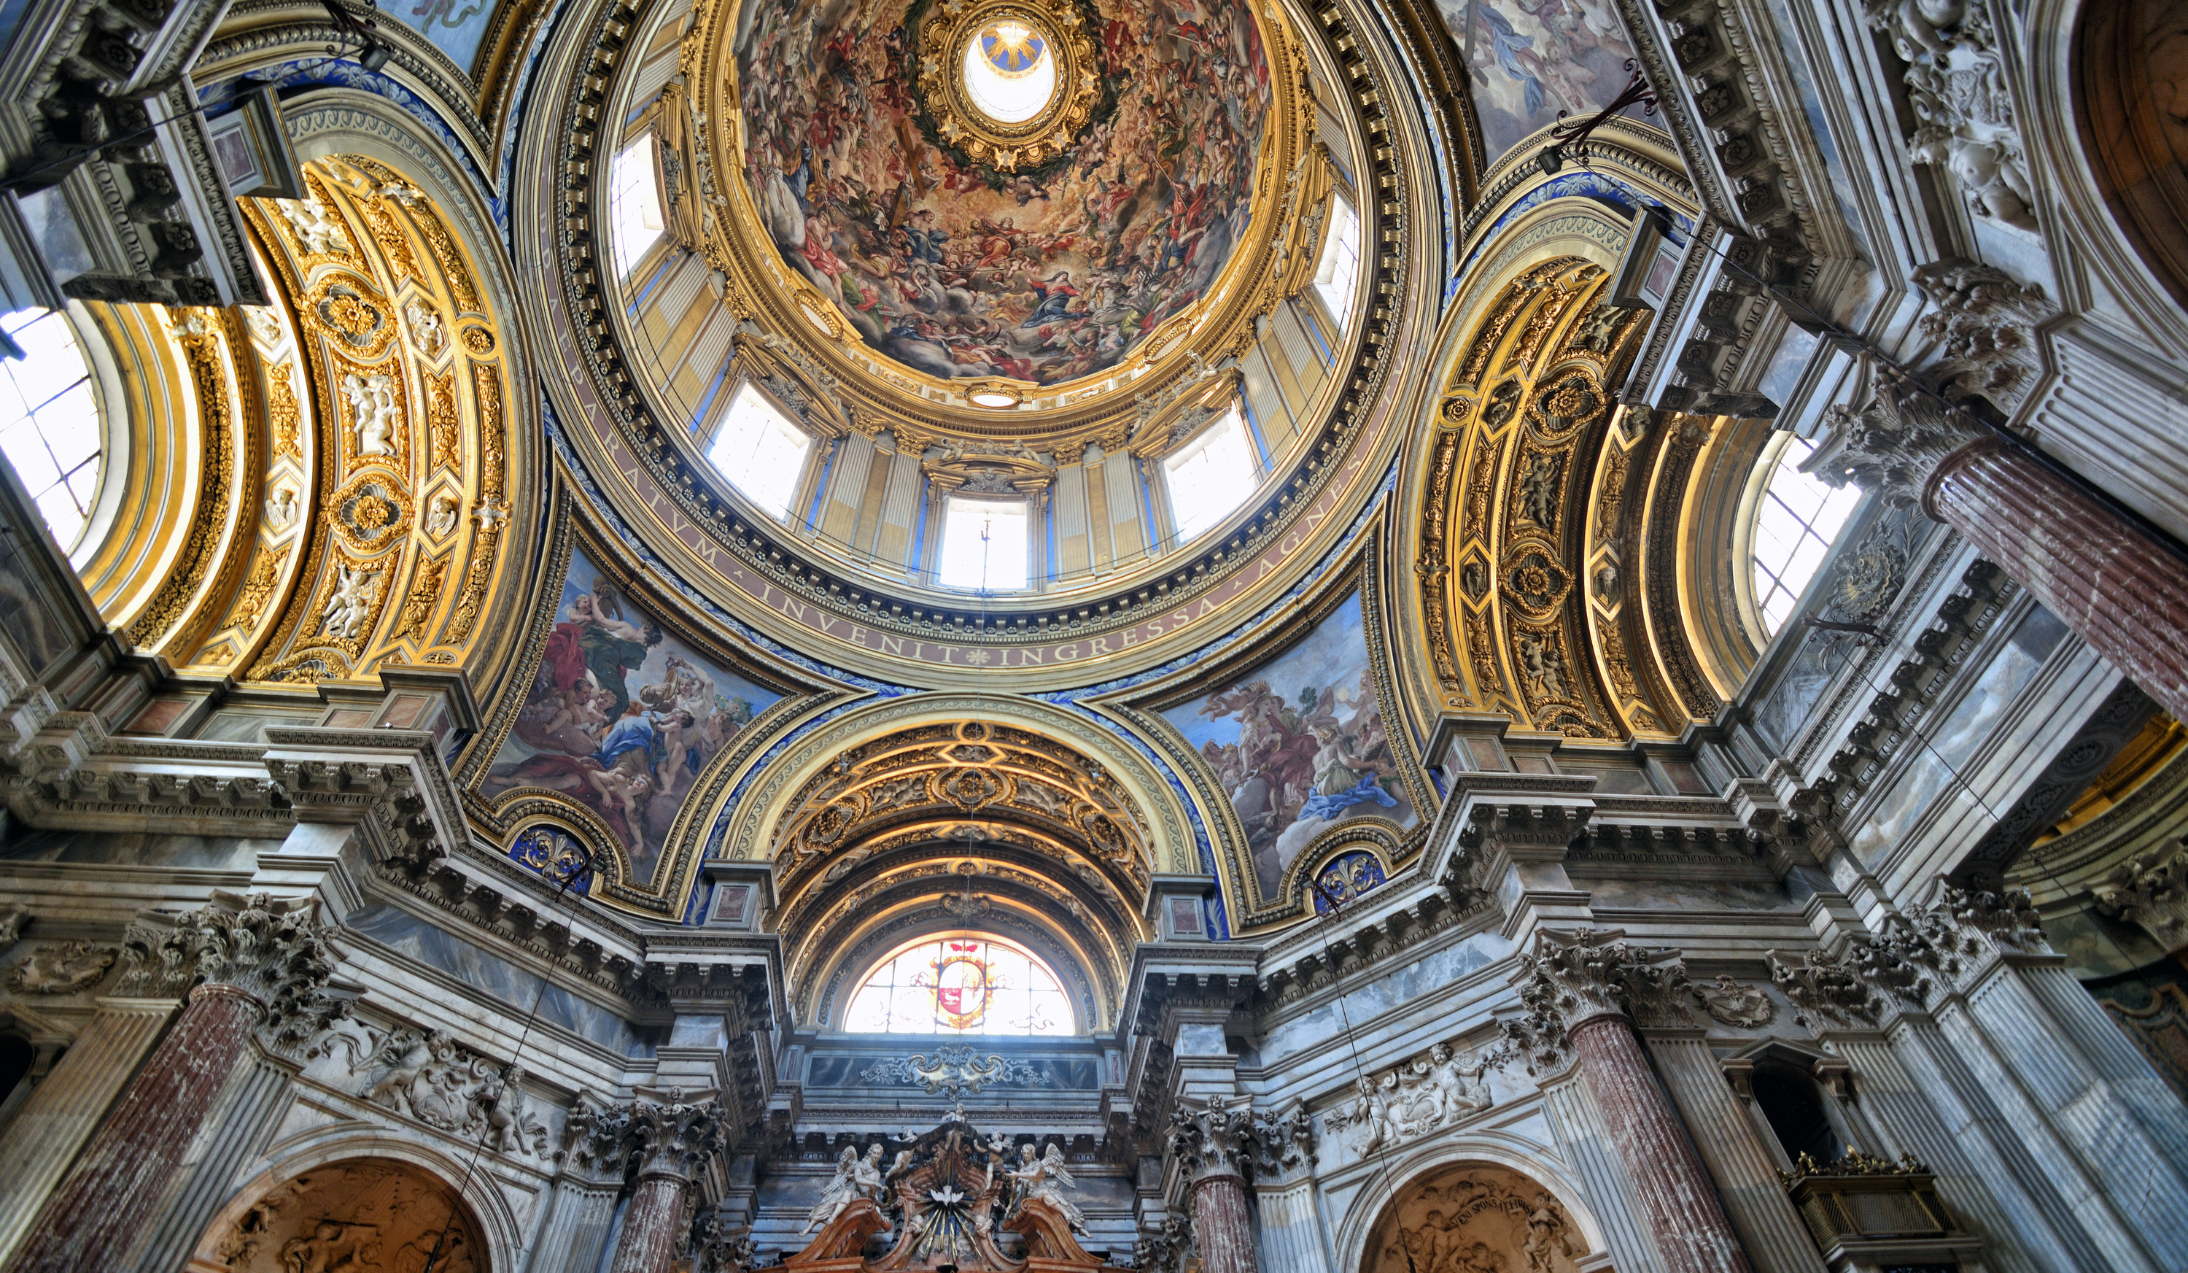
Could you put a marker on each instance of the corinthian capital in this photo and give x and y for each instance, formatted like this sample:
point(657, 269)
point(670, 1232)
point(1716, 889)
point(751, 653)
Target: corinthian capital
point(1827, 991)
point(273, 949)
point(1571, 978)
point(1212, 1138)
point(1893, 445)
point(2150, 889)
point(670, 1136)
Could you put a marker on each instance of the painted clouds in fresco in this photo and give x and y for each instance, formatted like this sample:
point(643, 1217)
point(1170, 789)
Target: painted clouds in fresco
point(1530, 59)
point(963, 271)
point(456, 27)
point(1299, 744)
point(622, 717)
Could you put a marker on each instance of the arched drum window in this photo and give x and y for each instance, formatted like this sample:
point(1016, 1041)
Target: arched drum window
point(964, 983)
point(1795, 521)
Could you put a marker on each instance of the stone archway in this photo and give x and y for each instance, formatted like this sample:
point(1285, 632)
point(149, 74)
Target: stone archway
point(1474, 1218)
point(362, 1215)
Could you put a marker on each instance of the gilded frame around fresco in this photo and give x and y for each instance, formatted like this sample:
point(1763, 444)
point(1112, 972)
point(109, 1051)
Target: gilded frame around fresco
point(1141, 709)
point(506, 817)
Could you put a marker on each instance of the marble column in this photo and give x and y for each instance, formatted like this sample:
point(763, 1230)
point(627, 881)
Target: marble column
point(250, 957)
point(1210, 1139)
point(2106, 577)
point(673, 1139)
point(1725, 1135)
point(1587, 984)
point(64, 1109)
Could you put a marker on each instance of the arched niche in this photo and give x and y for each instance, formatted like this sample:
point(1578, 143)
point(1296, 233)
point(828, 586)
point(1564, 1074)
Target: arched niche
point(2130, 61)
point(371, 1215)
point(1478, 1217)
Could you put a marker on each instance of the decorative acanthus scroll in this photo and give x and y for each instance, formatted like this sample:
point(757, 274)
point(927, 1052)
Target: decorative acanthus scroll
point(953, 1071)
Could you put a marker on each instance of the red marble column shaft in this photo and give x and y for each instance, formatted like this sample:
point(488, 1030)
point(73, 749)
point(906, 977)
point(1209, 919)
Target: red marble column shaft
point(1678, 1201)
point(111, 1194)
point(652, 1225)
point(1222, 1228)
point(2105, 577)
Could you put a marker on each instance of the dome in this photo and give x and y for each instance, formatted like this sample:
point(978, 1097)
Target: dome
point(1023, 191)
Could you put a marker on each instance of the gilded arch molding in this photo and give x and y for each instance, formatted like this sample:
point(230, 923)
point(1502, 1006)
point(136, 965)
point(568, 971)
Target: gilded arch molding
point(769, 798)
point(1553, 520)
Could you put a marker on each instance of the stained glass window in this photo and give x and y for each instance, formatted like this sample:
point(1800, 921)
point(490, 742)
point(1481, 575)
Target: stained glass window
point(1795, 522)
point(965, 983)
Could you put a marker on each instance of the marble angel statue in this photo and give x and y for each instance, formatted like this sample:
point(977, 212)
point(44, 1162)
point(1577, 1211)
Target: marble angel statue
point(1045, 1178)
point(855, 1178)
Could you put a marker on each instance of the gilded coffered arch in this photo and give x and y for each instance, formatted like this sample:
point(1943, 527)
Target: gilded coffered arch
point(397, 458)
point(1552, 582)
point(325, 485)
point(930, 814)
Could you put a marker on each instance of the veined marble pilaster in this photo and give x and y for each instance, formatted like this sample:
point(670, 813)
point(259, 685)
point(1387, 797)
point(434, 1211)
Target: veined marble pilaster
point(61, 1113)
point(252, 960)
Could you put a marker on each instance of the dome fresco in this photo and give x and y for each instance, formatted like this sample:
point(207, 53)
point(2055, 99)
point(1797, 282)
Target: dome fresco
point(957, 267)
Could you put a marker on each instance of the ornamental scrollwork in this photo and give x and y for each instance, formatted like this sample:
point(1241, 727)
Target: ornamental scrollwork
point(953, 1072)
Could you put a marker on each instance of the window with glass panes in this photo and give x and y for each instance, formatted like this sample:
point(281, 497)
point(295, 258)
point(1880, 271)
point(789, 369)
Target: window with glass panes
point(1337, 274)
point(1795, 522)
point(49, 421)
point(760, 451)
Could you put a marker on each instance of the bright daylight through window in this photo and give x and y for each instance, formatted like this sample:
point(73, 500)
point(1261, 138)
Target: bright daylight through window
point(760, 451)
point(49, 421)
point(1211, 476)
point(983, 544)
point(1795, 522)
point(966, 983)
point(1008, 72)
point(634, 204)
point(1338, 272)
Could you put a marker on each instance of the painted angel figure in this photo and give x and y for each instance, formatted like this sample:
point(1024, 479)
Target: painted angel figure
point(1046, 1178)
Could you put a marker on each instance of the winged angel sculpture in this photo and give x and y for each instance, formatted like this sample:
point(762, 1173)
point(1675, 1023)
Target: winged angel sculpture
point(855, 1178)
point(1045, 1178)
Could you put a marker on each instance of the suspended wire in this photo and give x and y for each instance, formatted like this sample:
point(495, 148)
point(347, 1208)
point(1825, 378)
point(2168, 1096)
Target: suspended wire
point(582, 869)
